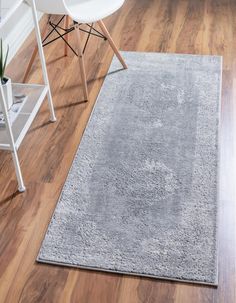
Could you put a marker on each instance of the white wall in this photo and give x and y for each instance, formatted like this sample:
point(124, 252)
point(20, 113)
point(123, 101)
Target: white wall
point(17, 28)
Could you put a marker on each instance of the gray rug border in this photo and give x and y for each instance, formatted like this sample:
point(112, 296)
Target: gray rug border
point(98, 269)
point(218, 174)
point(132, 274)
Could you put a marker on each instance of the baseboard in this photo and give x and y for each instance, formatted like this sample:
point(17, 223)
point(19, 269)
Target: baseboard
point(17, 29)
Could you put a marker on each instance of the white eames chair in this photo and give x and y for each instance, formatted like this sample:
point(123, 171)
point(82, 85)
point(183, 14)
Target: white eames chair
point(83, 12)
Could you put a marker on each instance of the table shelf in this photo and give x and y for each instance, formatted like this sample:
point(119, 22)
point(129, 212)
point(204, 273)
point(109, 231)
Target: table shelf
point(35, 95)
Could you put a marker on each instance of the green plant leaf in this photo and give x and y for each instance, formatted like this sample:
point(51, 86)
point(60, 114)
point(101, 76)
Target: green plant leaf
point(5, 61)
point(1, 60)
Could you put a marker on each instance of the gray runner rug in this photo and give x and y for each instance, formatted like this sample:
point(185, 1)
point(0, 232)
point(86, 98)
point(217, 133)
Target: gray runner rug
point(141, 196)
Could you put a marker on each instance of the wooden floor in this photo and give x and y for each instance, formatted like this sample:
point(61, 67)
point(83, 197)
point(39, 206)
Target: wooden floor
point(177, 26)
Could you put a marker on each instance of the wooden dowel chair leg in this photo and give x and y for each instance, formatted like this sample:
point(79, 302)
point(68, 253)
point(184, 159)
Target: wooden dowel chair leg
point(29, 67)
point(81, 64)
point(67, 20)
point(112, 44)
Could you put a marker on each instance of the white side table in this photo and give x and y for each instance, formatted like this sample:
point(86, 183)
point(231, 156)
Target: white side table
point(12, 135)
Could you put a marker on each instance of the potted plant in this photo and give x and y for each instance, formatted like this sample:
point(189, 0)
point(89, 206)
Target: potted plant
point(6, 82)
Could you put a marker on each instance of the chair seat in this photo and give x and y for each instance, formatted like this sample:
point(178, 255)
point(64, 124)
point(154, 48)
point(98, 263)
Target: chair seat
point(88, 11)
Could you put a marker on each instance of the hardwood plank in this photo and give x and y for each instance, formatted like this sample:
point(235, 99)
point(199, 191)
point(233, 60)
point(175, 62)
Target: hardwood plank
point(181, 26)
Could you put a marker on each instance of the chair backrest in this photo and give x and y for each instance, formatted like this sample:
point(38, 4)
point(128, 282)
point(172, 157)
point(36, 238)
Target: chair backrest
point(56, 7)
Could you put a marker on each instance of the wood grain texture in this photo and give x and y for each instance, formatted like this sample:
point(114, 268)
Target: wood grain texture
point(176, 26)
